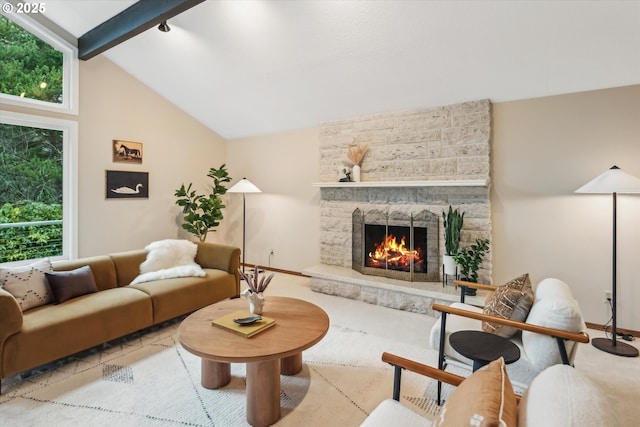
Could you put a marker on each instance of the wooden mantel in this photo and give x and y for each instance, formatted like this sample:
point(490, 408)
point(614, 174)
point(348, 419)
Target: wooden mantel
point(401, 184)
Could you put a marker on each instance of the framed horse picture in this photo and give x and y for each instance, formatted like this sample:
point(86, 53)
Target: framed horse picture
point(127, 151)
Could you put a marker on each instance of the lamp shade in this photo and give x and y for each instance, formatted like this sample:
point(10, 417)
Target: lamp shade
point(611, 181)
point(244, 186)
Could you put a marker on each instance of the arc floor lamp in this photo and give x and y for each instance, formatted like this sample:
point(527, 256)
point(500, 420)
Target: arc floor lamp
point(613, 181)
point(244, 186)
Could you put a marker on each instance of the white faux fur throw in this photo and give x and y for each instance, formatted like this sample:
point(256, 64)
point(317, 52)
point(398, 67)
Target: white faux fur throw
point(169, 273)
point(168, 259)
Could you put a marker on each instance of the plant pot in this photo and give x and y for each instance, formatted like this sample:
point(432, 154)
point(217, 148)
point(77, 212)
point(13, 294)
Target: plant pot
point(449, 265)
point(470, 291)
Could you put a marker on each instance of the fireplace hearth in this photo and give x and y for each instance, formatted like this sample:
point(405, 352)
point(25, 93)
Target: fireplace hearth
point(396, 245)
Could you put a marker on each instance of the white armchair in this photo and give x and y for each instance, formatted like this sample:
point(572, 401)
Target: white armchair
point(549, 335)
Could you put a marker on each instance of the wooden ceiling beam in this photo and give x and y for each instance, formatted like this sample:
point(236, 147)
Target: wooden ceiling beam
point(129, 23)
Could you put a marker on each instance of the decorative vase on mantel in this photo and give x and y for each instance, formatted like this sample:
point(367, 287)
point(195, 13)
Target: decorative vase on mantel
point(356, 173)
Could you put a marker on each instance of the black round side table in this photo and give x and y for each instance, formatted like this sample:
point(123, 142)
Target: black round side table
point(483, 347)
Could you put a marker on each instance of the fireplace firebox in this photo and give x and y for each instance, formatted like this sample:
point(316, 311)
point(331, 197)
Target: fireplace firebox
point(396, 245)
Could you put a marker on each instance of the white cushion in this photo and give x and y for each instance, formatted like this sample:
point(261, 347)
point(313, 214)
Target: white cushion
point(552, 288)
point(393, 413)
point(27, 283)
point(557, 313)
point(562, 396)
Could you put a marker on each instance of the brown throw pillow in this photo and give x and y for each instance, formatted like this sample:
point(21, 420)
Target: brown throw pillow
point(512, 301)
point(65, 285)
point(485, 399)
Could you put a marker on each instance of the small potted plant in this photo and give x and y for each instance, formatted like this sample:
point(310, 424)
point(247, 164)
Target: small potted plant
point(203, 212)
point(452, 221)
point(469, 260)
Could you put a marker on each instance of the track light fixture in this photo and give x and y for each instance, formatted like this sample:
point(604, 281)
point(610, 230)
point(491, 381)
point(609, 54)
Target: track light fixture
point(164, 27)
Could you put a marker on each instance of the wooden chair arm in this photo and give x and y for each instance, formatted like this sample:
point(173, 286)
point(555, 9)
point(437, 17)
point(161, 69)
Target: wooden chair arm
point(422, 369)
point(429, 371)
point(481, 286)
point(582, 337)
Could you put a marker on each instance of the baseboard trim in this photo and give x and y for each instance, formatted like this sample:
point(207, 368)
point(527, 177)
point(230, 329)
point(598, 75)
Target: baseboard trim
point(598, 327)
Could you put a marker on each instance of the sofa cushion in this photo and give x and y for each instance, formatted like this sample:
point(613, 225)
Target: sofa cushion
point(103, 268)
point(486, 398)
point(27, 283)
point(562, 396)
point(510, 301)
point(65, 285)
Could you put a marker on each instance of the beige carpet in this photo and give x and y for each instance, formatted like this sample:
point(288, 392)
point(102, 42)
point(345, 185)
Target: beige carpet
point(149, 380)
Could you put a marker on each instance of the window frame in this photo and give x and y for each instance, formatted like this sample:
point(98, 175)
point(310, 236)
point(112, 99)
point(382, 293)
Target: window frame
point(70, 65)
point(69, 130)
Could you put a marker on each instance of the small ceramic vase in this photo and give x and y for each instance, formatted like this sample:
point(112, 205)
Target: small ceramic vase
point(356, 173)
point(256, 301)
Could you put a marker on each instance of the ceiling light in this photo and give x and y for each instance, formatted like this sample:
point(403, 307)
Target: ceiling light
point(164, 27)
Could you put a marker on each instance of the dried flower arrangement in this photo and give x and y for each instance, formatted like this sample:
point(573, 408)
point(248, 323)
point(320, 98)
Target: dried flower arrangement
point(255, 283)
point(356, 153)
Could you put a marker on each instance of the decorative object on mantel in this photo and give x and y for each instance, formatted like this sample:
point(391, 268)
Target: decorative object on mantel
point(356, 154)
point(452, 221)
point(613, 181)
point(469, 260)
point(256, 287)
point(344, 175)
point(202, 213)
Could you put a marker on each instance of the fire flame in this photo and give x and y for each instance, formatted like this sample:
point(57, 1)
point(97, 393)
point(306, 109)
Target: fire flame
point(395, 254)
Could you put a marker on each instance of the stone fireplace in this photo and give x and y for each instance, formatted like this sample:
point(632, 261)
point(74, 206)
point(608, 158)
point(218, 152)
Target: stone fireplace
point(418, 163)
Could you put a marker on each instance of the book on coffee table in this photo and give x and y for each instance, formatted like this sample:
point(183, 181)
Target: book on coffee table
point(247, 331)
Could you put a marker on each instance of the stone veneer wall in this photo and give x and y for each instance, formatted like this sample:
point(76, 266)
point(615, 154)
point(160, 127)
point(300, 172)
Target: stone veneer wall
point(443, 143)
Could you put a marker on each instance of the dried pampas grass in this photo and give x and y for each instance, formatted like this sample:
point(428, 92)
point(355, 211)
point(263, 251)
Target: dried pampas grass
point(356, 153)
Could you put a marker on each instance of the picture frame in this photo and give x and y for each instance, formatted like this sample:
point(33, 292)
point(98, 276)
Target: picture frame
point(126, 151)
point(126, 185)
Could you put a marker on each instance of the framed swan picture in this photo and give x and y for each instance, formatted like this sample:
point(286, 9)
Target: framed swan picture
point(127, 185)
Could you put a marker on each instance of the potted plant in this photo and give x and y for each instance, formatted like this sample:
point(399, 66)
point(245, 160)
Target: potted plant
point(203, 212)
point(469, 260)
point(452, 226)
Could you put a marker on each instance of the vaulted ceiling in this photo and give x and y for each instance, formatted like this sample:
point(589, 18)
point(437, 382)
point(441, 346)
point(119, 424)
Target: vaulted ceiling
point(255, 67)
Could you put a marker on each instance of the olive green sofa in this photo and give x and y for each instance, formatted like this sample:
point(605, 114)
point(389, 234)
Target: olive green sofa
point(49, 332)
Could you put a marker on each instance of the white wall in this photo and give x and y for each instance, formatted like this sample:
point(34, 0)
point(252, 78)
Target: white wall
point(285, 217)
point(543, 150)
point(176, 149)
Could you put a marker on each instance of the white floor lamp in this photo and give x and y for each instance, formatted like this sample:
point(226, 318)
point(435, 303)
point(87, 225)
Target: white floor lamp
point(613, 181)
point(243, 186)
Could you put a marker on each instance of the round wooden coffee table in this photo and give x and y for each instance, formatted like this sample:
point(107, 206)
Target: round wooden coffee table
point(483, 347)
point(274, 351)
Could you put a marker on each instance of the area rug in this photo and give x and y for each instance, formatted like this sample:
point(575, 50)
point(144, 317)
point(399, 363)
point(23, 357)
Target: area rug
point(148, 379)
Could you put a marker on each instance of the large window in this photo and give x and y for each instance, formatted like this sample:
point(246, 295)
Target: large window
point(37, 187)
point(38, 71)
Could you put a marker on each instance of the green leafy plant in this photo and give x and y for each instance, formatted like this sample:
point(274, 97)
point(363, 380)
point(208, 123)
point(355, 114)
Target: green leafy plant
point(452, 225)
point(470, 258)
point(203, 212)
